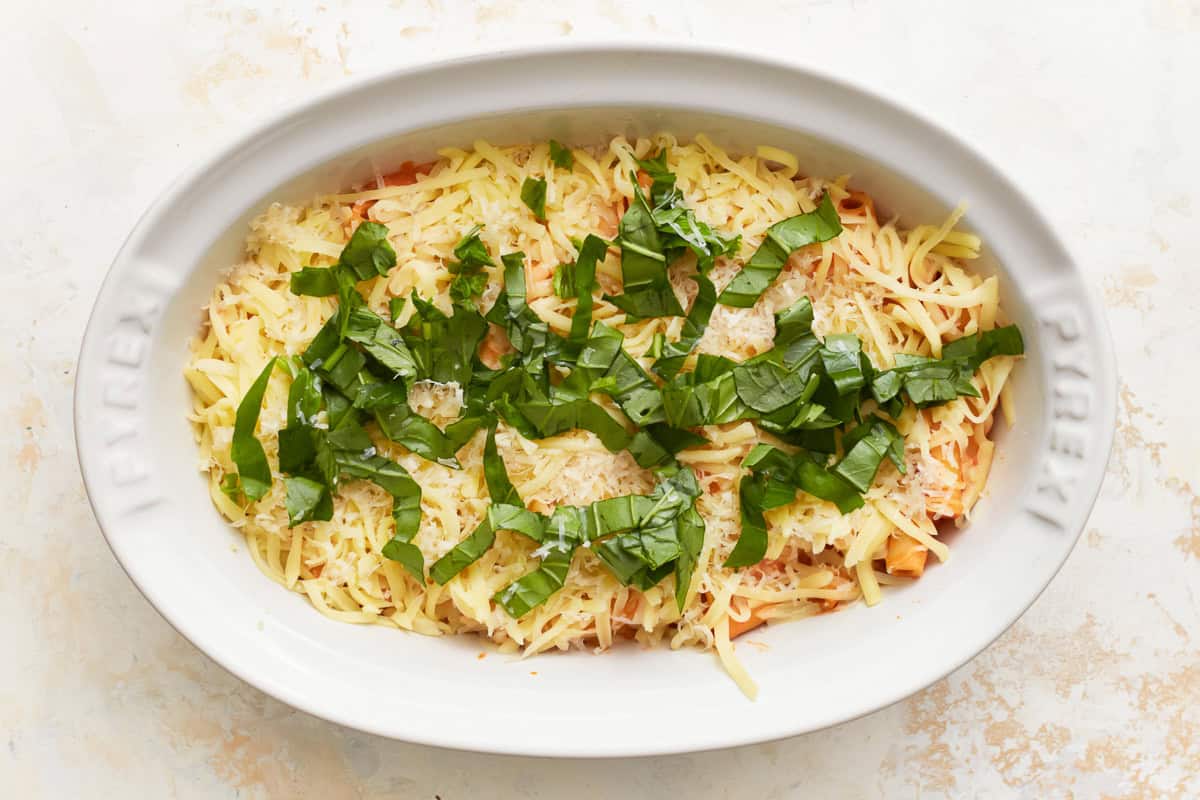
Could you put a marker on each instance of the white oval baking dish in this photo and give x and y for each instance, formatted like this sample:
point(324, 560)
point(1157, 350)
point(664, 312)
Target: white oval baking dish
point(139, 460)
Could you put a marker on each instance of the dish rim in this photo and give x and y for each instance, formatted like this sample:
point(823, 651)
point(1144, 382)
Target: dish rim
point(741, 733)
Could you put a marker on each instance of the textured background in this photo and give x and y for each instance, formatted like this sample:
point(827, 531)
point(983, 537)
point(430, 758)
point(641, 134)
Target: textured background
point(1091, 107)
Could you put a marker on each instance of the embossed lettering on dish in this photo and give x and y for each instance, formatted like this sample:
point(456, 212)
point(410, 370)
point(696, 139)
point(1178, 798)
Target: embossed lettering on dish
point(1071, 402)
point(121, 396)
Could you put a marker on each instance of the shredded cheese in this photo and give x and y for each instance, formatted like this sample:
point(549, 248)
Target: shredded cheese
point(898, 290)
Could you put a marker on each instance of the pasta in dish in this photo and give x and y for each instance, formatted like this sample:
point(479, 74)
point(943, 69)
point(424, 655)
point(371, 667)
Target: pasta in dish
point(561, 397)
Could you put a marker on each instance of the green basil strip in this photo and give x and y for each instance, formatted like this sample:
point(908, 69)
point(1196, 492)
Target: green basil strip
point(254, 473)
point(527, 332)
point(314, 282)
point(551, 418)
point(674, 354)
point(626, 382)
point(506, 512)
point(564, 281)
point(751, 544)
point(782, 239)
point(406, 504)
point(680, 230)
point(444, 349)
point(472, 548)
point(866, 446)
point(653, 530)
point(979, 347)
point(406, 427)
point(396, 308)
point(296, 441)
point(816, 480)
point(369, 253)
point(530, 591)
point(678, 227)
point(304, 398)
point(594, 249)
point(500, 487)
point(773, 481)
point(842, 356)
point(348, 298)
point(647, 291)
point(662, 180)
point(305, 499)
point(657, 444)
point(464, 287)
point(886, 385)
point(465, 553)
point(382, 342)
point(471, 253)
point(793, 322)
point(562, 156)
point(767, 386)
point(928, 381)
point(691, 541)
point(705, 396)
point(533, 194)
point(563, 533)
point(601, 348)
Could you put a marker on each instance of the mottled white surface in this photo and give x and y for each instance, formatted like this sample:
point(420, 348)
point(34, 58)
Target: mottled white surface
point(1092, 107)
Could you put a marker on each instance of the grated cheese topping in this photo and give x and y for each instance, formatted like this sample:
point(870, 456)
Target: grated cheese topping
point(899, 291)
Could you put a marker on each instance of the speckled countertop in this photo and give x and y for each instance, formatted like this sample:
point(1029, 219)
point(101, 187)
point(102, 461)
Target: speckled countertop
point(1093, 108)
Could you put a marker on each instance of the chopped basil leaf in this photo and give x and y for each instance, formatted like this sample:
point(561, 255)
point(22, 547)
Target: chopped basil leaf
point(662, 180)
point(564, 280)
point(657, 444)
point(500, 488)
point(773, 480)
point(928, 381)
point(307, 499)
point(465, 553)
point(443, 348)
point(464, 287)
point(382, 342)
point(314, 282)
point(396, 308)
point(866, 446)
point(674, 354)
point(782, 239)
point(844, 362)
point(691, 542)
point(706, 396)
point(533, 194)
point(406, 504)
point(647, 291)
point(766, 386)
point(793, 323)
point(472, 548)
point(979, 347)
point(561, 156)
point(530, 591)
point(254, 473)
point(471, 253)
point(594, 250)
point(818, 481)
point(369, 253)
point(406, 427)
point(231, 487)
point(751, 544)
point(348, 298)
point(626, 382)
point(681, 231)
